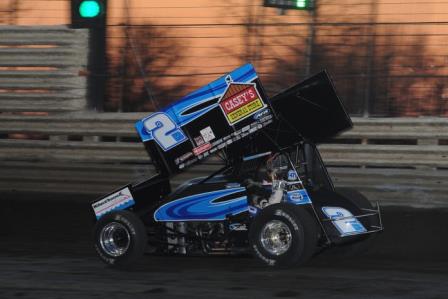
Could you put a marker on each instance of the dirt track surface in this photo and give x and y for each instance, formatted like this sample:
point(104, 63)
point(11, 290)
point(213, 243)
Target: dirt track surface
point(46, 253)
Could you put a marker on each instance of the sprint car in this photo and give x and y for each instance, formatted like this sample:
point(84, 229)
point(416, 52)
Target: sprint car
point(271, 196)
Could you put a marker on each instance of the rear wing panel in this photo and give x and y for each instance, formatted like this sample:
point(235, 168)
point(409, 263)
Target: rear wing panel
point(312, 109)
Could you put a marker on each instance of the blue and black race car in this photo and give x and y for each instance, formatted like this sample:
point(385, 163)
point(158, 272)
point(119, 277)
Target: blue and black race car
point(272, 196)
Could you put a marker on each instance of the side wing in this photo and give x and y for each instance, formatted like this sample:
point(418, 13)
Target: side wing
point(205, 121)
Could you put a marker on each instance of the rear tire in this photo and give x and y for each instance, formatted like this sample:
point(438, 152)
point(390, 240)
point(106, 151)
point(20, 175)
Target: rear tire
point(283, 235)
point(120, 238)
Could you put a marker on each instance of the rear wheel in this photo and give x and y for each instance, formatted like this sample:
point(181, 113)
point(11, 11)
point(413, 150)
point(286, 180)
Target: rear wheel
point(120, 238)
point(283, 235)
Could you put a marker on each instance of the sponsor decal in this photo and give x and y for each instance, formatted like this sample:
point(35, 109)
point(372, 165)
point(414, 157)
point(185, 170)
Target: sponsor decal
point(347, 226)
point(202, 148)
point(298, 197)
point(219, 143)
point(295, 185)
point(295, 196)
point(183, 157)
point(186, 156)
point(207, 134)
point(240, 101)
point(238, 226)
point(199, 140)
point(292, 175)
point(119, 200)
point(260, 114)
point(253, 210)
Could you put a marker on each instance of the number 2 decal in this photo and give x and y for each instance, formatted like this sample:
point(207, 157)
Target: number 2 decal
point(164, 131)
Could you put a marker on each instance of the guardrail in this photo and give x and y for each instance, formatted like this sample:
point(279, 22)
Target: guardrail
point(40, 68)
point(395, 161)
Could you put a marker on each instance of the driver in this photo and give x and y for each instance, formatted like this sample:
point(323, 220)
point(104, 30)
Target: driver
point(268, 184)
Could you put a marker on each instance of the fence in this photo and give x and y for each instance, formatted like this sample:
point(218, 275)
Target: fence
point(95, 153)
point(388, 57)
point(41, 69)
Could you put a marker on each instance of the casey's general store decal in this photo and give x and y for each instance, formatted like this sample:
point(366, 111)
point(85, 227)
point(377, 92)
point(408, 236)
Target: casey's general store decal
point(240, 101)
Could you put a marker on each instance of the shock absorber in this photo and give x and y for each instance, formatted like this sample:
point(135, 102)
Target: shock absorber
point(176, 237)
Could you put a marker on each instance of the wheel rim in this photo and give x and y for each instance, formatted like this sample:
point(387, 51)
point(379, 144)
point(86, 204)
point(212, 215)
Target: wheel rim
point(276, 237)
point(115, 239)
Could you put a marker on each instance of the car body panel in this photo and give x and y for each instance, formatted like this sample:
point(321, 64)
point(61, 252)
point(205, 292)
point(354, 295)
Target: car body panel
point(216, 205)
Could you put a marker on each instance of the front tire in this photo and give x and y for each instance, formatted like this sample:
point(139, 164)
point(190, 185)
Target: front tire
point(120, 238)
point(283, 235)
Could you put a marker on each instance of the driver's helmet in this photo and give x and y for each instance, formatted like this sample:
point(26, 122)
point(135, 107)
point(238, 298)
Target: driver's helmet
point(277, 166)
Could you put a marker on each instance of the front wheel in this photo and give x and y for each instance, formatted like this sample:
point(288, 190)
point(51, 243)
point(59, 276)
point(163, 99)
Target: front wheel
point(283, 235)
point(120, 238)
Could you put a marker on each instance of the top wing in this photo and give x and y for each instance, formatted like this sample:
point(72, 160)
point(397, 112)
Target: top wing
point(211, 118)
point(309, 110)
